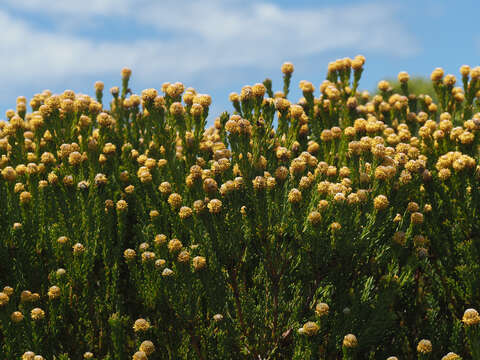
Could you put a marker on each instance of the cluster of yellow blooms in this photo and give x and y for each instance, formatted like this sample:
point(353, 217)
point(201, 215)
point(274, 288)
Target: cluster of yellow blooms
point(148, 179)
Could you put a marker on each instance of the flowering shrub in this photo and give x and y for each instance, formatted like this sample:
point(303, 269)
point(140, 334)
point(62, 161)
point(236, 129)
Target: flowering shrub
point(342, 226)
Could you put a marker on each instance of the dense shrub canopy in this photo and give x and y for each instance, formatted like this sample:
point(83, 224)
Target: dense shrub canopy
point(416, 85)
point(341, 226)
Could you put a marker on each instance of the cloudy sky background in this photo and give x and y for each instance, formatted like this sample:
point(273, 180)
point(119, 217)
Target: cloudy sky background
point(219, 46)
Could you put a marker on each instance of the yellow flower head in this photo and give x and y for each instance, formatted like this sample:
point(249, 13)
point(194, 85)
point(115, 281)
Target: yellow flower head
point(160, 239)
point(380, 202)
point(126, 73)
point(122, 205)
point(185, 212)
point(314, 218)
point(183, 256)
point(175, 200)
point(287, 68)
point(140, 355)
point(37, 314)
point(78, 249)
point(451, 356)
point(199, 262)
point(16, 316)
point(350, 341)
point(416, 218)
point(471, 317)
point(403, 77)
point(160, 263)
point(25, 197)
point(310, 328)
point(28, 355)
point(177, 109)
point(148, 256)
point(141, 325)
point(294, 196)
point(424, 346)
point(54, 292)
point(174, 245)
point(147, 347)
point(167, 272)
point(214, 206)
point(322, 309)
point(335, 226)
point(8, 290)
point(4, 298)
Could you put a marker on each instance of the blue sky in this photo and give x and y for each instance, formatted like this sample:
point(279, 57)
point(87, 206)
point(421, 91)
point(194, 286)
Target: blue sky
point(219, 46)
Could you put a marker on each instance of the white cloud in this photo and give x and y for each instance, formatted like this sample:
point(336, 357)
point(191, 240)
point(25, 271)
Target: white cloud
point(246, 32)
point(73, 7)
point(202, 37)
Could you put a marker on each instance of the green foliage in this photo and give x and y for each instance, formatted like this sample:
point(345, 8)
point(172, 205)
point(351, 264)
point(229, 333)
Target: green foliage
point(337, 227)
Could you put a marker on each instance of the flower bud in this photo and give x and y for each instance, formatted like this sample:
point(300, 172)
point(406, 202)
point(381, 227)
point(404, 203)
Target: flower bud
point(424, 347)
point(54, 292)
point(16, 316)
point(403, 77)
point(199, 262)
point(147, 347)
point(141, 325)
point(322, 309)
point(350, 341)
point(287, 68)
point(310, 328)
point(37, 314)
point(294, 196)
point(451, 356)
point(380, 202)
point(471, 317)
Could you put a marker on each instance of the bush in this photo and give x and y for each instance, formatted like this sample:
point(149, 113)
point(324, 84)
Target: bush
point(418, 86)
point(340, 226)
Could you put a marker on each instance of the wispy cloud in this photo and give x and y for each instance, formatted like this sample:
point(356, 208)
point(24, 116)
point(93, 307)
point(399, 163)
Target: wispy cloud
point(72, 7)
point(202, 36)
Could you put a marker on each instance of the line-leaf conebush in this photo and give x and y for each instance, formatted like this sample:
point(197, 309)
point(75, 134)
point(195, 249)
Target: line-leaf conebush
point(343, 225)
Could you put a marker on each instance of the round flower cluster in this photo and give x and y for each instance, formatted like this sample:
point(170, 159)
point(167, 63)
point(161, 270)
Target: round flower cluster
point(424, 346)
point(471, 317)
point(141, 325)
